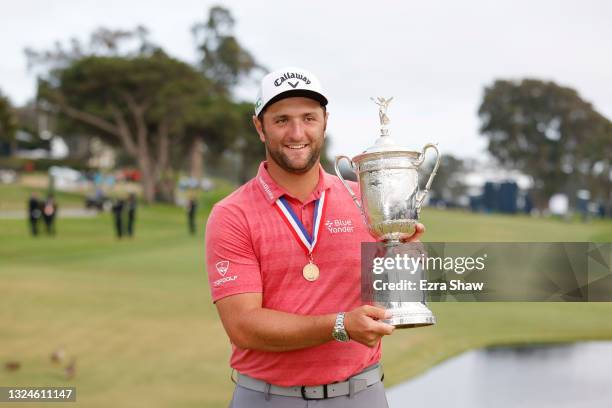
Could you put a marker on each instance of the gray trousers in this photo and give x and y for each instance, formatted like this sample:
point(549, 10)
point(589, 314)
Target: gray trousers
point(372, 397)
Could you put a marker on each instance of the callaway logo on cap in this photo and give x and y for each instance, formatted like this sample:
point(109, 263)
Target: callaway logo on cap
point(285, 83)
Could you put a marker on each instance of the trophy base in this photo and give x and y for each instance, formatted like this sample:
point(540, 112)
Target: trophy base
point(411, 314)
point(410, 322)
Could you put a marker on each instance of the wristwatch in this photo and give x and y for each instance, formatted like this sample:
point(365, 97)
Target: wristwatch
point(339, 332)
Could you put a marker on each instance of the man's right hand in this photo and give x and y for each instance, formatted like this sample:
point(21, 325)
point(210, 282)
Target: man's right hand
point(364, 326)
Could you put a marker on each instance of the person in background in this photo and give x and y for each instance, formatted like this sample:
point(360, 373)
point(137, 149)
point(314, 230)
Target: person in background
point(49, 211)
point(192, 208)
point(34, 213)
point(131, 214)
point(118, 217)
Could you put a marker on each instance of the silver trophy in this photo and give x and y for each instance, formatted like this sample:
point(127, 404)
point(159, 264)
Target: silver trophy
point(390, 204)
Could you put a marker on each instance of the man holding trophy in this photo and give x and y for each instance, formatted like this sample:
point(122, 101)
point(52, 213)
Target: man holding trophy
point(283, 259)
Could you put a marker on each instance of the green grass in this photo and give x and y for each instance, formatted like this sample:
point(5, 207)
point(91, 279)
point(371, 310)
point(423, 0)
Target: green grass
point(137, 316)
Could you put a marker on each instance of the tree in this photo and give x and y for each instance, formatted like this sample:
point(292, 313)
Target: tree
point(227, 63)
point(220, 123)
point(222, 57)
point(448, 184)
point(248, 145)
point(212, 126)
point(32, 128)
point(124, 89)
point(8, 123)
point(102, 42)
point(545, 130)
point(136, 100)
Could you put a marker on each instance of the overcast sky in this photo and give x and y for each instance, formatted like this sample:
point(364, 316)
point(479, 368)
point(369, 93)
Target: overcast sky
point(434, 57)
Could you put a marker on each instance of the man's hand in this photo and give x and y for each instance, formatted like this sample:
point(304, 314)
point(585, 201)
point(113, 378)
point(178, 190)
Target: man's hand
point(362, 324)
point(419, 230)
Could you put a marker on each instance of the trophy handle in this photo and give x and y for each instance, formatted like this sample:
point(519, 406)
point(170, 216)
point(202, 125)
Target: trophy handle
point(350, 190)
point(423, 193)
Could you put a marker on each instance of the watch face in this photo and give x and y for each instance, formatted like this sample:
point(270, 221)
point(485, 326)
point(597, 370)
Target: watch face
point(341, 336)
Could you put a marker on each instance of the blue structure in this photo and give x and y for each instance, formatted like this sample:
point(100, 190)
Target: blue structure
point(498, 197)
point(489, 197)
point(508, 194)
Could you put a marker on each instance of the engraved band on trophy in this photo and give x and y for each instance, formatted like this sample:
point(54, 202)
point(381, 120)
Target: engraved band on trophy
point(390, 205)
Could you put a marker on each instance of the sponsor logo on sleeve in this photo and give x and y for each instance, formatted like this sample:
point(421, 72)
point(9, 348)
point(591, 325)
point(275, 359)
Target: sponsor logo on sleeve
point(222, 268)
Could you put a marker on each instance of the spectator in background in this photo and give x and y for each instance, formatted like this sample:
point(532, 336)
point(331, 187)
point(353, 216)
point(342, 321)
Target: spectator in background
point(601, 210)
point(131, 213)
point(192, 208)
point(49, 211)
point(34, 213)
point(118, 217)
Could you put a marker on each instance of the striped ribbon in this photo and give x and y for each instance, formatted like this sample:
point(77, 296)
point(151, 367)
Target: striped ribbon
point(306, 241)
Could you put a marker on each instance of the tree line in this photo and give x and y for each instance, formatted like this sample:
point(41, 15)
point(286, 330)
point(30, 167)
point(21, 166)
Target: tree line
point(166, 115)
point(551, 133)
point(161, 112)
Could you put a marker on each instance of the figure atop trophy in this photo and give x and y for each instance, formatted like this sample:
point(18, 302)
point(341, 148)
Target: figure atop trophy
point(383, 105)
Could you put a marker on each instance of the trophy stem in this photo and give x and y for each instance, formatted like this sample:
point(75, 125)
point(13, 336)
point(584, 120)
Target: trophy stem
point(406, 313)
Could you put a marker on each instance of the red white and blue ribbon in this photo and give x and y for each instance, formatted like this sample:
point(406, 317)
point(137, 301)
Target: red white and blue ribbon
point(306, 240)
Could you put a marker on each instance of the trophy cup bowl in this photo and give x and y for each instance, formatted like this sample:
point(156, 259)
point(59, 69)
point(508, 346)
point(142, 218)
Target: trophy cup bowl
point(390, 205)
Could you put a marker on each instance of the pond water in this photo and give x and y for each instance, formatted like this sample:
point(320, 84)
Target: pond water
point(555, 376)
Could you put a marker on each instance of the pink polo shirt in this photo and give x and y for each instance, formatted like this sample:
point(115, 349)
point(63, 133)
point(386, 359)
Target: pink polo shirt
point(249, 248)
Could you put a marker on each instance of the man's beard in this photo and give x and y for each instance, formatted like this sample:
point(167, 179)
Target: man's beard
point(285, 163)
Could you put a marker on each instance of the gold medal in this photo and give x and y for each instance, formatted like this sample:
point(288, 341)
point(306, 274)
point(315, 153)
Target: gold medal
point(310, 272)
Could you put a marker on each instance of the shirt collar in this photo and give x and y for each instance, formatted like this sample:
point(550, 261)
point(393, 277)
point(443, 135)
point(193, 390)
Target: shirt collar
point(272, 191)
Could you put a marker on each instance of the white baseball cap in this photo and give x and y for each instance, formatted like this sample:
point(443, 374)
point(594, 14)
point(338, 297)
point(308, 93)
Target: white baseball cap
point(288, 82)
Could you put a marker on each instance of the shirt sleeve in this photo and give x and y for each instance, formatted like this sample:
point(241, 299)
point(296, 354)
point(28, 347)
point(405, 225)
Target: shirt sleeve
point(231, 263)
